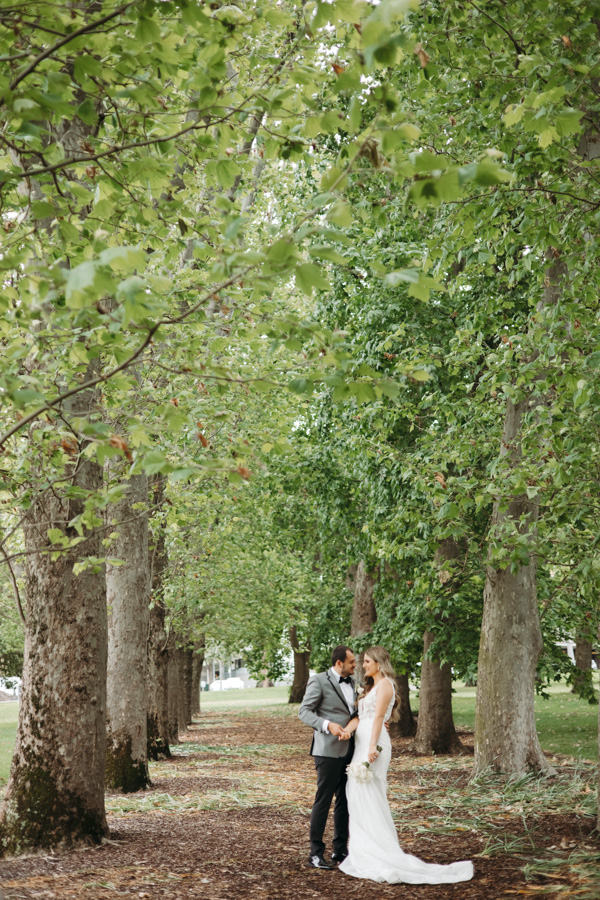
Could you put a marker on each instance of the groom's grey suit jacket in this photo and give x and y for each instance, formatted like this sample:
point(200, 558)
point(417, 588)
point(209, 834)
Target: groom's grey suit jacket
point(324, 700)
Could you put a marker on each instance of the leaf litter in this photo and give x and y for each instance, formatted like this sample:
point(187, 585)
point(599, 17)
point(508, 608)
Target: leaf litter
point(227, 817)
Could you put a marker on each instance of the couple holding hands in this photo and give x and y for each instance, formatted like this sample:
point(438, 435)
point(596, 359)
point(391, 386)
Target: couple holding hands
point(352, 751)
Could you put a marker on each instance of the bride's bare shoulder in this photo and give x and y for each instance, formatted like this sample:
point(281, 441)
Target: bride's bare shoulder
point(385, 688)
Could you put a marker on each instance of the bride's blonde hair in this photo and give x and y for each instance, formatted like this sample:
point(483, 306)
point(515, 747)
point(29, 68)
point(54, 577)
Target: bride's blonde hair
point(381, 656)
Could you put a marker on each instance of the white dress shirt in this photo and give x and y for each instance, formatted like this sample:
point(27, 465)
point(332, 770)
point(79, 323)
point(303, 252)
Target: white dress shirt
point(348, 692)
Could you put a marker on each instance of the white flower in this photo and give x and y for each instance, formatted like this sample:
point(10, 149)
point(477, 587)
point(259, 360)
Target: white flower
point(360, 772)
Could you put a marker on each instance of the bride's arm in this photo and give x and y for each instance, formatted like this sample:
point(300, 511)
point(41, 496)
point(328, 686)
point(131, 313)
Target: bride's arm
point(349, 729)
point(384, 695)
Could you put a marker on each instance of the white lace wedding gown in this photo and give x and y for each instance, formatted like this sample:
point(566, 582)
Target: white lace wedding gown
point(373, 849)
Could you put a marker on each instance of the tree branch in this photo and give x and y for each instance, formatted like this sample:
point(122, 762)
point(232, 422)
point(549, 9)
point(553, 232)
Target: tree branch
point(15, 586)
point(66, 40)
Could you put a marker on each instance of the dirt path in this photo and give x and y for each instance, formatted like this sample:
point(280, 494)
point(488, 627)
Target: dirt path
point(227, 819)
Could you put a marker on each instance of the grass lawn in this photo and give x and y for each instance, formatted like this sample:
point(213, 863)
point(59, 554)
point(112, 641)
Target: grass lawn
point(252, 697)
point(9, 713)
point(565, 724)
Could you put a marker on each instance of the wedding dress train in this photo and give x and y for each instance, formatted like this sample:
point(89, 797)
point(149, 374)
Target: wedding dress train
point(373, 848)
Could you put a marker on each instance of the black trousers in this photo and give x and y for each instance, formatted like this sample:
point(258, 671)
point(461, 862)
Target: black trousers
point(331, 781)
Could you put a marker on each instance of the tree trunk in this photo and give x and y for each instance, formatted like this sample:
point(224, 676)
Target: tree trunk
point(301, 668)
point(197, 663)
point(511, 638)
point(181, 714)
point(364, 614)
point(583, 664)
point(173, 694)
point(404, 725)
point(435, 725)
point(266, 682)
point(158, 654)
point(55, 793)
point(157, 727)
point(583, 654)
point(128, 595)
point(185, 687)
point(511, 641)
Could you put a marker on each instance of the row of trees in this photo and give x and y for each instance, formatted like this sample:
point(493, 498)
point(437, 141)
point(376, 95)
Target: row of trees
point(193, 443)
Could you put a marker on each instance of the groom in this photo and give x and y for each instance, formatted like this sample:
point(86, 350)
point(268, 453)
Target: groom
point(327, 707)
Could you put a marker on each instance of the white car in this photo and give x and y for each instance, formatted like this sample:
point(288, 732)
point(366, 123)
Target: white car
point(228, 684)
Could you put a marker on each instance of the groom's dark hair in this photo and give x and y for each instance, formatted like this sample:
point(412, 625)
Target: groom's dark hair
point(339, 652)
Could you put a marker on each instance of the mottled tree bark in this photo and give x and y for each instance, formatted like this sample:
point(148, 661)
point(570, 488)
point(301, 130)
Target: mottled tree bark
point(583, 663)
point(197, 663)
point(301, 667)
point(181, 713)
point(157, 727)
point(511, 638)
point(55, 793)
point(185, 686)
point(511, 641)
point(128, 595)
point(158, 654)
point(404, 725)
point(364, 614)
point(435, 725)
point(173, 694)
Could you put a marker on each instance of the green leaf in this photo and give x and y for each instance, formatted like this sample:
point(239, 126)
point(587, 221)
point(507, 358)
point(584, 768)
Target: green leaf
point(147, 31)
point(426, 161)
point(79, 281)
point(183, 474)
point(333, 178)
point(593, 360)
point(488, 172)
point(87, 112)
point(299, 385)
point(282, 250)
point(419, 374)
point(513, 114)
point(324, 251)
point(308, 276)
point(41, 209)
point(420, 285)
point(569, 122)
point(546, 136)
point(123, 259)
point(262, 387)
point(354, 118)
point(363, 391)
point(154, 463)
point(340, 214)
point(227, 171)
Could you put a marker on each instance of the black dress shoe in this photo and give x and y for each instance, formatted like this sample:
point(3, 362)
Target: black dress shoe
point(337, 858)
point(318, 862)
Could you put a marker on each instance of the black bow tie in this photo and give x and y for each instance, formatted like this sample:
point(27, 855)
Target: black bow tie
point(345, 680)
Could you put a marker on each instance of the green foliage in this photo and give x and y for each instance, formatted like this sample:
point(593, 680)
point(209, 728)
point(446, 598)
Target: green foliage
point(295, 255)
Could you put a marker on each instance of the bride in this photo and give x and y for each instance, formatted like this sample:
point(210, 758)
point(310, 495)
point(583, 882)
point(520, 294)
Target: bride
point(373, 849)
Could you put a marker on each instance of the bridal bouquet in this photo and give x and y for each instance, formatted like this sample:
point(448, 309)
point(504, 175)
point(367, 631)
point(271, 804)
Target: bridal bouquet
point(361, 771)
